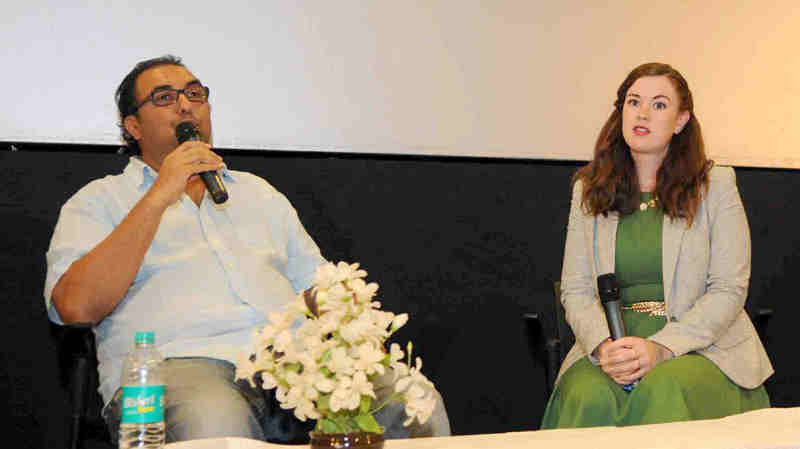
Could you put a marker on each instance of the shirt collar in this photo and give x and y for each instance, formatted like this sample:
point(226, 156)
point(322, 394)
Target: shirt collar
point(144, 175)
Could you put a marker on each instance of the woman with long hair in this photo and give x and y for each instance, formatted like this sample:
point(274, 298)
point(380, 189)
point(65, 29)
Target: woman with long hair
point(654, 211)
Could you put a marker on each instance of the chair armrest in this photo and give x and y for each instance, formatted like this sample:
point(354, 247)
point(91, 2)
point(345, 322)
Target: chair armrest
point(761, 320)
point(73, 342)
point(546, 348)
point(76, 361)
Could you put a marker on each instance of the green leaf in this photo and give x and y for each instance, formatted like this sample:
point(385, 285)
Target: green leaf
point(345, 423)
point(366, 402)
point(329, 426)
point(367, 423)
point(324, 402)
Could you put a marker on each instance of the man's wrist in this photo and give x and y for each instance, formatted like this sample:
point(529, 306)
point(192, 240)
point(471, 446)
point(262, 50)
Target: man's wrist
point(154, 202)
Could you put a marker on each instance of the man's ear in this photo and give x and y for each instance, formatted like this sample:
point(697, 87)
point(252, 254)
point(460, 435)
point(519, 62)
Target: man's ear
point(131, 124)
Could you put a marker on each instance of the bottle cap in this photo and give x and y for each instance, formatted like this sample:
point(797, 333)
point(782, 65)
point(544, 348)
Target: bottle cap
point(145, 337)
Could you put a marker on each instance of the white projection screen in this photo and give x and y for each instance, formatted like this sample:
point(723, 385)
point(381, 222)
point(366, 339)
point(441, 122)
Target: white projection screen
point(495, 78)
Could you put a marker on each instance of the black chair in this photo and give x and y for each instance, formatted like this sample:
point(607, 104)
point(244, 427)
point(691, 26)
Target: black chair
point(549, 349)
point(77, 362)
point(550, 339)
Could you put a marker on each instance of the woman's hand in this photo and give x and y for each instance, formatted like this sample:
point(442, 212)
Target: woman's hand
point(629, 358)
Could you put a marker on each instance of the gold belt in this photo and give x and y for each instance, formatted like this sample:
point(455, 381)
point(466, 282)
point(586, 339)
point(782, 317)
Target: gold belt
point(654, 308)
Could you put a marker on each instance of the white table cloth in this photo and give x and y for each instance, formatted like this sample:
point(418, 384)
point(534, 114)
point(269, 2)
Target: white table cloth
point(773, 428)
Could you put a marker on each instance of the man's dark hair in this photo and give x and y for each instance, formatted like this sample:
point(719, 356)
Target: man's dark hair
point(126, 95)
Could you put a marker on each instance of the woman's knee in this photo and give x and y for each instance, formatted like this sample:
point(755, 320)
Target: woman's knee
point(678, 374)
point(588, 390)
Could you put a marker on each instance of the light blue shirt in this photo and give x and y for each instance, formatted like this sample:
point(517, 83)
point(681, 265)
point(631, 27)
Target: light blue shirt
point(210, 276)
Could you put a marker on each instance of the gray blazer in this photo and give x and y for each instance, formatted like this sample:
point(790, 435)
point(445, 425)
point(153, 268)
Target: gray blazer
point(706, 275)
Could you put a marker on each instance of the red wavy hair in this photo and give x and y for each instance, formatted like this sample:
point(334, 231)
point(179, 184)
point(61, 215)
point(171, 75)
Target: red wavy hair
point(610, 182)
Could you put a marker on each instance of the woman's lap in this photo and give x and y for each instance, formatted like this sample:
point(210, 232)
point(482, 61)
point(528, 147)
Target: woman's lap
point(684, 388)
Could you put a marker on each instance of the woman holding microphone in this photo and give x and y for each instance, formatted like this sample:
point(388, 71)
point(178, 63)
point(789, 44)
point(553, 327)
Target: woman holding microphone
point(653, 210)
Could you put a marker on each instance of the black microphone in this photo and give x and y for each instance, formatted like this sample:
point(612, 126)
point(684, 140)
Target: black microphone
point(609, 296)
point(608, 289)
point(186, 131)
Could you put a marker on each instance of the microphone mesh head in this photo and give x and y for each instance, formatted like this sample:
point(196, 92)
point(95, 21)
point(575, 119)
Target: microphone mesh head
point(186, 131)
point(607, 287)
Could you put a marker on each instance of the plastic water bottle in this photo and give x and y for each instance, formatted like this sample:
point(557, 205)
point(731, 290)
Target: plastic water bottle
point(142, 419)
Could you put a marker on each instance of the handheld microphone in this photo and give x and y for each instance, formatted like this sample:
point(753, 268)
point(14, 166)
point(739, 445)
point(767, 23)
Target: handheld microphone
point(186, 131)
point(609, 296)
point(608, 289)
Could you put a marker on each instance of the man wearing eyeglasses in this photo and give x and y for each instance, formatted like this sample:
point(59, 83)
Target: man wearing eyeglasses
point(147, 250)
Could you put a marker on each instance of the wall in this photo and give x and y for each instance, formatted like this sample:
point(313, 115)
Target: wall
point(501, 78)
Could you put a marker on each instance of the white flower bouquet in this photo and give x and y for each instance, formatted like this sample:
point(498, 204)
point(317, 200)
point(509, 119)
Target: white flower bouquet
point(326, 368)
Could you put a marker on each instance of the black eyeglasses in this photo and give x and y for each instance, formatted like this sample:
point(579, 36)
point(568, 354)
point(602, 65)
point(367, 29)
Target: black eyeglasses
point(165, 96)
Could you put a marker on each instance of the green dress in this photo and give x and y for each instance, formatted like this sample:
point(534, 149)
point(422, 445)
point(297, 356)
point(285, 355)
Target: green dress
point(680, 389)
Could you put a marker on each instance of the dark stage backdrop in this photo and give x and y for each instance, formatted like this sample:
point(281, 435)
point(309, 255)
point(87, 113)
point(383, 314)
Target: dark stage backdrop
point(465, 246)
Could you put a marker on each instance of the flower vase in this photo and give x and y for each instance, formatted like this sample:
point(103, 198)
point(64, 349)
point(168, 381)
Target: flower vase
point(355, 440)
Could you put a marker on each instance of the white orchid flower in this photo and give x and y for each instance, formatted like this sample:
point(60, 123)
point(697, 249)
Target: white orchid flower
point(246, 369)
point(280, 393)
point(347, 272)
point(362, 291)
point(382, 320)
point(264, 361)
point(322, 297)
point(369, 359)
point(329, 322)
point(268, 381)
point(283, 342)
point(344, 397)
point(324, 384)
point(337, 292)
point(306, 409)
point(419, 404)
point(300, 395)
point(395, 354)
point(355, 330)
point(362, 385)
point(308, 328)
point(399, 321)
point(325, 275)
point(413, 377)
point(341, 362)
point(308, 361)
